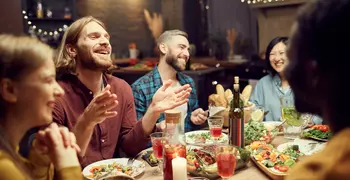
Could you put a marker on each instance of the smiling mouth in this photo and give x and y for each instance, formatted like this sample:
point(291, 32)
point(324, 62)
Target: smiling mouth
point(279, 64)
point(184, 59)
point(103, 52)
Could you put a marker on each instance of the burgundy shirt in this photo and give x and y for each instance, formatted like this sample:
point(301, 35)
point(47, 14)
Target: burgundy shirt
point(122, 130)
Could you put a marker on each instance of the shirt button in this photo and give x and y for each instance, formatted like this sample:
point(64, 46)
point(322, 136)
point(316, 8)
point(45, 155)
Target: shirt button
point(102, 140)
point(90, 92)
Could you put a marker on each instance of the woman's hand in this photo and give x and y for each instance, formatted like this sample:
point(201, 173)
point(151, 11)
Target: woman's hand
point(59, 144)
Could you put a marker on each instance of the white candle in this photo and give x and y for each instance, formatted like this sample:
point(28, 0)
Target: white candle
point(179, 168)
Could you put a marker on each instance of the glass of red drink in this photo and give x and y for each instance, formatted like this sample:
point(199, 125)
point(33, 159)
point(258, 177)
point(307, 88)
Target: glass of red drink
point(226, 160)
point(157, 139)
point(172, 150)
point(215, 126)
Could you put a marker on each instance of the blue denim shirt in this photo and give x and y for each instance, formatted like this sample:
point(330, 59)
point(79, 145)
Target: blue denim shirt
point(267, 93)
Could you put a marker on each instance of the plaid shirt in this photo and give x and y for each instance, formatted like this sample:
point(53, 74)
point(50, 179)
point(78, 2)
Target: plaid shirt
point(146, 86)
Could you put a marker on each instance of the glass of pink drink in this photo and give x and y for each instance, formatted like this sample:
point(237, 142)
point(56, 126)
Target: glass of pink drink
point(226, 160)
point(215, 126)
point(157, 139)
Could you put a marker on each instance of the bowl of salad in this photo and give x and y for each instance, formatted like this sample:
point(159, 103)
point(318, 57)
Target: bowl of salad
point(256, 131)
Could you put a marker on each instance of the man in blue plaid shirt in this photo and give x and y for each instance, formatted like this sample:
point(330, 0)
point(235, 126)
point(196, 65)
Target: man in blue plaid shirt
point(174, 54)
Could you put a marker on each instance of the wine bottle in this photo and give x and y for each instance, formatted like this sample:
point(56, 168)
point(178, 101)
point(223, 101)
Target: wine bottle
point(236, 120)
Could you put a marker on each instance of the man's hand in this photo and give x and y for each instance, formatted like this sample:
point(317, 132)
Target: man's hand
point(165, 100)
point(199, 116)
point(100, 107)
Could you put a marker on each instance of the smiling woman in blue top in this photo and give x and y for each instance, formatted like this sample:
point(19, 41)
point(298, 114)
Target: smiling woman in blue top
point(174, 54)
point(272, 87)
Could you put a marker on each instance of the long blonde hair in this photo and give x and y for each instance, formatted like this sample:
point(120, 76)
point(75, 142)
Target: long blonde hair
point(19, 56)
point(64, 62)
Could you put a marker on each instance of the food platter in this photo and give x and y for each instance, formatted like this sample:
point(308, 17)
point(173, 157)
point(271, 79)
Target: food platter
point(201, 161)
point(118, 165)
point(203, 137)
point(317, 132)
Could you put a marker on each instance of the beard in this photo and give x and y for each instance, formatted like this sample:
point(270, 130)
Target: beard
point(173, 62)
point(94, 61)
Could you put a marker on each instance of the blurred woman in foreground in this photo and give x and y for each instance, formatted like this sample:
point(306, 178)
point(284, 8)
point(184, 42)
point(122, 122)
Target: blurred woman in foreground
point(28, 90)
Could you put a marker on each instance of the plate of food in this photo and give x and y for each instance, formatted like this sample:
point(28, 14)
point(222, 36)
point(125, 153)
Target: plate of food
point(318, 132)
point(203, 137)
point(150, 158)
point(113, 166)
point(256, 131)
point(274, 163)
point(270, 125)
point(201, 161)
point(300, 148)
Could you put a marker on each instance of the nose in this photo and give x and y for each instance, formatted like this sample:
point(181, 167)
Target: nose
point(186, 53)
point(104, 41)
point(58, 91)
point(277, 57)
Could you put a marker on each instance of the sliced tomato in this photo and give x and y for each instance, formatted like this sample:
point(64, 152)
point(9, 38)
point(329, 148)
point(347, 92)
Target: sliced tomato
point(324, 128)
point(196, 164)
point(93, 169)
point(284, 168)
point(281, 168)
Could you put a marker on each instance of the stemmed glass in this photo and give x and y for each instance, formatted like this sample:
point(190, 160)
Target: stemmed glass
point(157, 139)
point(226, 160)
point(215, 126)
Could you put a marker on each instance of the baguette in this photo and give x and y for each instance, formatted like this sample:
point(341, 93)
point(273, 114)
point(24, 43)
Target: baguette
point(221, 92)
point(212, 100)
point(247, 91)
point(228, 96)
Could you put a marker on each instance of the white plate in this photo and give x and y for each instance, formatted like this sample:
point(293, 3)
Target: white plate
point(222, 139)
point(139, 167)
point(305, 146)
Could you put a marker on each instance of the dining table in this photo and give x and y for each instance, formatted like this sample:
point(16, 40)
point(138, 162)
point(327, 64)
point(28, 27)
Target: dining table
point(250, 172)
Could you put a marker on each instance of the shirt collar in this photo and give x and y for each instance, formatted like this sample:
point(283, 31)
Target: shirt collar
point(77, 84)
point(158, 80)
point(276, 79)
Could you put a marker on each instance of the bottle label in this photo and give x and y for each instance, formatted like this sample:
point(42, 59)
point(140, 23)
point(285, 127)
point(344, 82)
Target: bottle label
point(239, 133)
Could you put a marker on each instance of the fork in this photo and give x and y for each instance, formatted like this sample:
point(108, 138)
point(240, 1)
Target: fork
point(103, 176)
point(132, 159)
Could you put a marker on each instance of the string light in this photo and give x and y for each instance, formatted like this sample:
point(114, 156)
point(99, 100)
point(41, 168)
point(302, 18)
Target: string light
point(35, 30)
point(259, 1)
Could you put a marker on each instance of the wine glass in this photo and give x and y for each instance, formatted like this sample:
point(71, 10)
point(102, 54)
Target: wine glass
point(215, 126)
point(226, 160)
point(157, 139)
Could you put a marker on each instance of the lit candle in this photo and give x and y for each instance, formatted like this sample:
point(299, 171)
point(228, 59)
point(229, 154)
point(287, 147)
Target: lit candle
point(179, 168)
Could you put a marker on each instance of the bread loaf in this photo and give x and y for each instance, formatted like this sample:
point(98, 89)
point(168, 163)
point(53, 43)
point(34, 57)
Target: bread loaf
point(228, 96)
point(212, 99)
point(246, 93)
point(221, 92)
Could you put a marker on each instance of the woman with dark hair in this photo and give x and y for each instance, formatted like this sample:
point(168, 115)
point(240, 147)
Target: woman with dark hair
point(28, 90)
point(272, 87)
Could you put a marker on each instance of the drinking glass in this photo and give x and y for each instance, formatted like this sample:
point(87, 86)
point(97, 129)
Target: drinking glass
point(226, 160)
point(293, 125)
point(157, 139)
point(175, 146)
point(215, 127)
